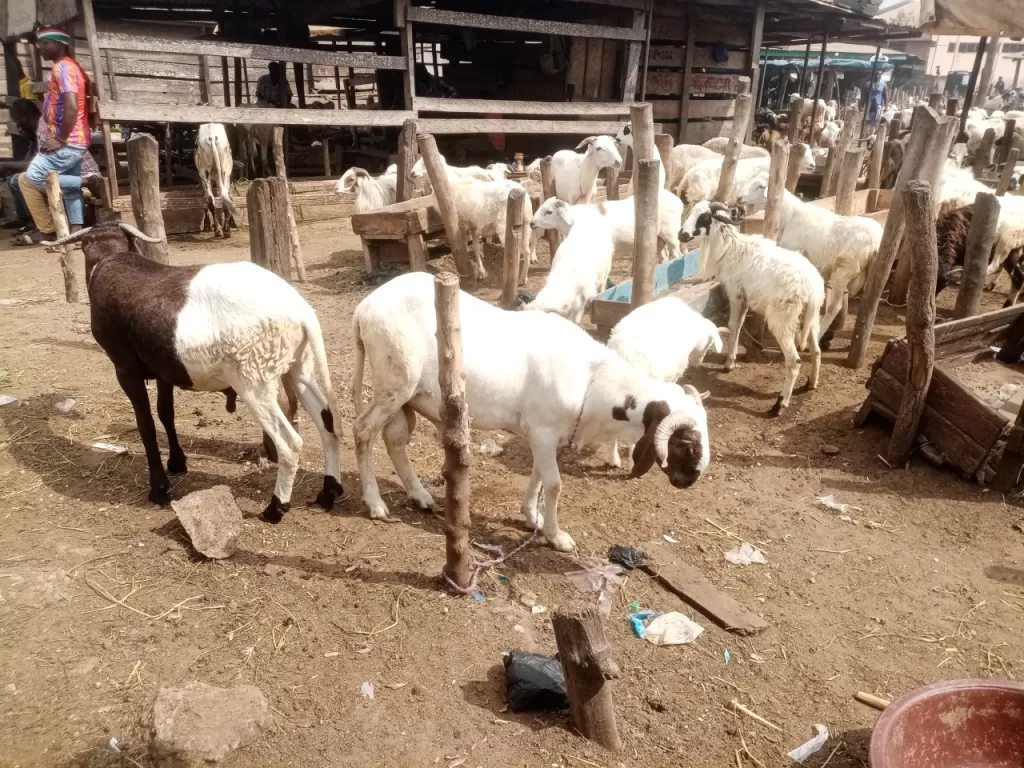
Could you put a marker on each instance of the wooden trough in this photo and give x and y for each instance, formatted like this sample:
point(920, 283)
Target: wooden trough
point(958, 428)
point(676, 277)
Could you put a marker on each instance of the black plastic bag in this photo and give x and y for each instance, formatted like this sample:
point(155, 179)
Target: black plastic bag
point(534, 682)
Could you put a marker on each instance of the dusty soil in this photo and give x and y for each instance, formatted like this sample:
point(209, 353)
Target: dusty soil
point(102, 601)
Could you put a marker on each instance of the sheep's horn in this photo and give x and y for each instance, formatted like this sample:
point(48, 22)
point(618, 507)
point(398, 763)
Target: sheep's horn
point(716, 206)
point(137, 234)
point(586, 142)
point(691, 390)
point(672, 422)
point(67, 238)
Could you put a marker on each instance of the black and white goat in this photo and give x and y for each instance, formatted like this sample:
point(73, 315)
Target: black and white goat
point(233, 328)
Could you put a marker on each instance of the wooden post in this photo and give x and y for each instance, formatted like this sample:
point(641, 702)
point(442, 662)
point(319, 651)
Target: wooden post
point(846, 186)
point(634, 49)
point(455, 426)
point(408, 52)
point(299, 73)
point(144, 180)
point(744, 105)
point(547, 176)
point(293, 229)
point(645, 201)
point(829, 172)
point(932, 134)
point(168, 165)
point(795, 114)
point(935, 101)
point(796, 164)
point(684, 96)
point(972, 83)
point(983, 154)
point(89, 22)
point(226, 81)
point(611, 183)
point(952, 107)
point(325, 144)
point(1004, 146)
point(995, 48)
point(641, 118)
point(586, 657)
point(238, 81)
point(980, 238)
point(817, 85)
point(406, 160)
point(513, 245)
point(876, 158)
point(664, 143)
point(777, 176)
point(204, 80)
point(920, 223)
point(756, 41)
point(446, 206)
point(269, 244)
point(60, 220)
point(1007, 175)
point(895, 127)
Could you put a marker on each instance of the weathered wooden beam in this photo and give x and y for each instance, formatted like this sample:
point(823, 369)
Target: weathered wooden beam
point(225, 79)
point(754, 65)
point(796, 164)
point(920, 228)
point(111, 75)
point(981, 237)
point(170, 113)
point(633, 51)
point(776, 190)
point(505, 107)
point(828, 173)
point(93, 39)
point(684, 92)
point(277, 147)
point(55, 200)
point(846, 184)
point(744, 109)
point(983, 154)
point(454, 414)
point(269, 241)
point(511, 275)
point(876, 158)
point(424, 15)
point(204, 80)
point(645, 242)
point(327, 57)
point(144, 180)
point(438, 175)
point(1004, 146)
point(1007, 175)
point(485, 125)
point(407, 154)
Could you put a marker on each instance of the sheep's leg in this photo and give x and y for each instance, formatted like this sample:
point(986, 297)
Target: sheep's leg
point(211, 208)
point(737, 316)
point(165, 410)
point(396, 439)
point(792, 365)
point(478, 255)
point(365, 429)
point(261, 398)
point(303, 383)
point(545, 461)
point(529, 505)
point(135, 388)
point(833, 306)
point(613, 456)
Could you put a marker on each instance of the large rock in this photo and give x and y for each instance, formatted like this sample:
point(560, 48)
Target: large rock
point(201, 724)
point(212, 519)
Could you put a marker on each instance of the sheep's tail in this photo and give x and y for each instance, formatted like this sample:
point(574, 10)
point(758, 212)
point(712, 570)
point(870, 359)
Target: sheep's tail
point(225, 189)
point(315, 339)
point(357, 367)
point(810, 321)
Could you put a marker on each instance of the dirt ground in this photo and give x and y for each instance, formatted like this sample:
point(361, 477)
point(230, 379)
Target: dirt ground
point(102, 600)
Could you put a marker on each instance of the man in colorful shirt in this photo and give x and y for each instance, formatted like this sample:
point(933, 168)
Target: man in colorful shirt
point(64, 135)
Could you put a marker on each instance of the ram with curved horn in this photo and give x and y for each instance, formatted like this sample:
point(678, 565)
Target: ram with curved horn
point(234, 328)
point(371, 193)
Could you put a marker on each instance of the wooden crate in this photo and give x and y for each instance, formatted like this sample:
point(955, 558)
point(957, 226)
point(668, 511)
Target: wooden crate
point(397, 233)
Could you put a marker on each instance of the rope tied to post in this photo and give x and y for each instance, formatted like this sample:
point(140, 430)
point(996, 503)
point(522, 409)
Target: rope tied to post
point(479, 566)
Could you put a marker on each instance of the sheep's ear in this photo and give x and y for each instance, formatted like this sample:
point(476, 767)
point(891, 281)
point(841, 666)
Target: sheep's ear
point(586, 142)
point(644, 454)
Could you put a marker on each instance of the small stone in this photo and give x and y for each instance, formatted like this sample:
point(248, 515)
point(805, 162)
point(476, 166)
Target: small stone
point(528, 599)
point(830, 450)
point(212, 520)
point(107, 644)
point(11, 689)
point(200, 723)
point(84, 667)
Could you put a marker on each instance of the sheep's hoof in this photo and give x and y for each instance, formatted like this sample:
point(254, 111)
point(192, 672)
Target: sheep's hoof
point(728, 366)
point(176, 465)
point(275, 510)
point(331, 492)
point(562, 542)
point(778, 409)
point(161, 496)
point(825, 343)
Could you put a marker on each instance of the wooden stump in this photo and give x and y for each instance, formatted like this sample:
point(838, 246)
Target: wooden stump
point(455, 429)
point(980, 238)
point(645, 201)
point(611, 183)
point(983, 154)
point(60, 220)
point(895, 128)
point(641, 120)
point(920, 230)
point(777, 182)
point(446, 206)
point(293, 230)
point(514, 234)
point(829, 172)
point(846, 185)
point(1003, 149)
point(1007, 175)
point(795, 168)
point(876, 158)
point(744, 105)
point(547, 175)
point(407, 154)
point(144, 181)
point(586, 657)
point(269, 242)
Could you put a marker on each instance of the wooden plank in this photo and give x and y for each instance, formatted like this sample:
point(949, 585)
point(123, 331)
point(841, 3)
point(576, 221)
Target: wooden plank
point(327, 57)
point(733, 35)
point(699, 132)
point(419, 215)
point(577, 67)
point(754, 63)
point(592, 74)
point(633, 51)
point(425, 15)
point(700, 109)
point(673, 55)
point(606, 88)
point(489, 106)
point(158, 113)
point(456, 125)
point(685, 102)
point(671, 83)
point(996, 319)
point(669, 569)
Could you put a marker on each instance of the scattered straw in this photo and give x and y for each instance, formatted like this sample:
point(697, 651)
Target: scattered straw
point(379, 629)
point(737, 707)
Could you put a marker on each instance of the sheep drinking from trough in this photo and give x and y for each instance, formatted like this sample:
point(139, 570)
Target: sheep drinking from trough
point(529, 373)
point(778, 284)
point(211, 328)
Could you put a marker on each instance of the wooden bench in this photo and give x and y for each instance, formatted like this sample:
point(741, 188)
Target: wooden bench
point(398, 233)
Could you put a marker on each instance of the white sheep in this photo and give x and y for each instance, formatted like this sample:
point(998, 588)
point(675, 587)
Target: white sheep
point(581, 265)
point(663, 339)
point(371, 193)
point(575, 173)
point(701, 181)
point(482, 207)
point(624, 141)
point(719, 144)
point(757, 274)
point(621, 215)
point(528, 373)
point(841, 248)
point(533, 170)
point(421, 180)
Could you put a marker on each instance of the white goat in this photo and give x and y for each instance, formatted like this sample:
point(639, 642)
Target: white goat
point(576, 172)
point(701, 181)
point(213, 161)
point(841, 248)
point(371, 193)
point(528, 373)
point(663, 339)
point(780, 285)
point(482, 208)
point(581, 265)
point(621, 216)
